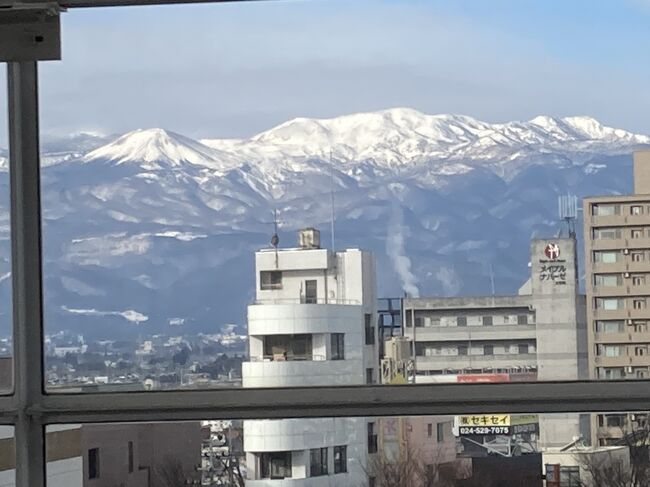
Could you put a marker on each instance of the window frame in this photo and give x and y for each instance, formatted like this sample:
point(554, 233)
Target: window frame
point(29, 408)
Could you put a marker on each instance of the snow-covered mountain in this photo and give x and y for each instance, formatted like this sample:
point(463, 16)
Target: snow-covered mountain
point(152, 228)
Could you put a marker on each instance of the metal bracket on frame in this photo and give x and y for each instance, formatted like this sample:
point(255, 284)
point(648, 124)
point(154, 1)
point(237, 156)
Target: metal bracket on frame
point(30, 31)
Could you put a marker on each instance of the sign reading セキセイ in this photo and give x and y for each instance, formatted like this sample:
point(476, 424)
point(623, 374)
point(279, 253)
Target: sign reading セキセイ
point(552, 268)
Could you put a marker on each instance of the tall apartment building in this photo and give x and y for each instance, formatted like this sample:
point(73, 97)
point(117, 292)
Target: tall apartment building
point(617, 281)
point(312, 324)
point(539, 334)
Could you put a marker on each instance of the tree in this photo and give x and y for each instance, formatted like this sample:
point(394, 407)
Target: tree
point(411, 469)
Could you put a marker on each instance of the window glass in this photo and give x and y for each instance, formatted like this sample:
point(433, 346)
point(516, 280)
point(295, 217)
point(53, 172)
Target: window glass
point(608, 279)
point(606, 256)
point(614, 326)
point(349, 450)
point(609, 303)
point(338, 346)
point(270, 280)
point(340, 459)
point(606, 210)
point(606, 233)
point(6, 334)
point(318, 462)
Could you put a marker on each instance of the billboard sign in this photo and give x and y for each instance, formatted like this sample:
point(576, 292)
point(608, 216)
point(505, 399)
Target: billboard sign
point(496, 424)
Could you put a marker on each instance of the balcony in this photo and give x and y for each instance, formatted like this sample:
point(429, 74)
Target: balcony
point(469, 333)
point(290, 317)
point(439, 362)
point(624, 337)
point(321, 481)
point(622, 361)
point(280, 357)
point(608, 243)
point(621, 314)
point(299, 373)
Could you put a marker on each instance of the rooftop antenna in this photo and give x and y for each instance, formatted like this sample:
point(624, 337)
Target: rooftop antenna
point(332, 198)
point(568, 211)
point(275, 238)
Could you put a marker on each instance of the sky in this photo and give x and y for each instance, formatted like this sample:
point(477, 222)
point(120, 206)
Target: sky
point(233, 70)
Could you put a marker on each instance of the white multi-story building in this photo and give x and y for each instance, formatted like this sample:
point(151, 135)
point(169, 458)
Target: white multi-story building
point(312, 324)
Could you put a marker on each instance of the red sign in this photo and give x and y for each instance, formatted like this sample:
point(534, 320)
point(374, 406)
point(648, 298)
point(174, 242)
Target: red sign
point(552, 251)
point(483, 378)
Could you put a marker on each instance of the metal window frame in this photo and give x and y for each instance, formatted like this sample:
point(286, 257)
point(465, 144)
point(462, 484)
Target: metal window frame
point(29, 408)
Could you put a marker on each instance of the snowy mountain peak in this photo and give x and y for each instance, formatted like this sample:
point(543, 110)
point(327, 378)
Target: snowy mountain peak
point(157, 146)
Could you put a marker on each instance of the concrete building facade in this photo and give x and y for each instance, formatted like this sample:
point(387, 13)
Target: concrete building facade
point(313, 323)
point(539, 334)
point(617, 283)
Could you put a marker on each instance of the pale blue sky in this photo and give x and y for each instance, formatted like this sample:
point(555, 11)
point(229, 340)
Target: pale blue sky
point(235, 69)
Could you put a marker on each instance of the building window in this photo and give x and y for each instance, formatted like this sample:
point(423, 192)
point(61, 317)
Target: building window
point(641, 374)
point(131, 459)
point(570, 476)
point(609, 303)
point(638, 256)
point(638, 303)
point(93, 463)
point(523, 349)
point(615, 420)
point(270, 280)
point(522, 319)
point(311, 291)
point(638, 280)
point(369, 376)
point(370, 330)
point(606, 233)
point(430, 430)
point(340, 459)
point(608, 350)
point(636, 233)
point(636, 210)
point(605, 210)
point(419, 322)
point(488, 321)
point(275, 465)
point(488, 349)
point(640, 351)
point(462, 349)
point(617, 326)
point(608, 373)
point(607, 279)
point(372, 481)
point(461, 321)
point(640, 326)
point(440, 432)
point(317, 462)
point(338, 346)
point(372, 438)
point(606, 256)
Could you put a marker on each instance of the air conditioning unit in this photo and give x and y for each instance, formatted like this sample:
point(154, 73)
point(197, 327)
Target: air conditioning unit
point(626, 251)
point(626, 275)
point(629, 322)
point(629, 369)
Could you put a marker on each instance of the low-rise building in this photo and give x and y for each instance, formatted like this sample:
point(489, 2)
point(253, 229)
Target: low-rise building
point(538, 334)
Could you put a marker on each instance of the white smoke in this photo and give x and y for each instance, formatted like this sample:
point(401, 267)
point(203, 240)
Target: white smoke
point(396, 252)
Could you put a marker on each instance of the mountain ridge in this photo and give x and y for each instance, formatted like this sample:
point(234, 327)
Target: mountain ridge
point(159, 225)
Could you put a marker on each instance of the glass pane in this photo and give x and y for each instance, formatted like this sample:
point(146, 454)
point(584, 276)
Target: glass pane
point(7, 456)
point(6, 362)
point(236, 217)
point(476, 450)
